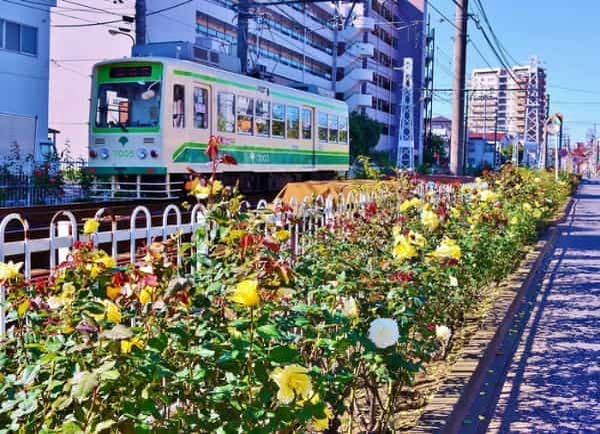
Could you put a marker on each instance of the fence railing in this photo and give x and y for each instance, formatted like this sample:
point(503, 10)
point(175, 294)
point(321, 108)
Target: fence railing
point(298, 217)
point(27, 183)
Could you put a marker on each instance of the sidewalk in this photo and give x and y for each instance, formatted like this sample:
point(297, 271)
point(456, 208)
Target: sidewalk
point(553, 382)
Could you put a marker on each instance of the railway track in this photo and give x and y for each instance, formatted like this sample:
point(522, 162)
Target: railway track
point(119, 212)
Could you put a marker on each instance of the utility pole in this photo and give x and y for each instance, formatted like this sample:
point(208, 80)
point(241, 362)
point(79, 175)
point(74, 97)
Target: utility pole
point(458, 103)
point(242, 34)
point(140, 22)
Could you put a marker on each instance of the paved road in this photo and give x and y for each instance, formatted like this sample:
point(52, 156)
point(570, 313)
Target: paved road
point(553, 383)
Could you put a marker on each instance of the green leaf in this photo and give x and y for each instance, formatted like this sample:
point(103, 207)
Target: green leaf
point(29, 375)
point(268, 331)
point(117, 333)
point(71, 427)
point(103, 426)
point(83, 384)
point(283, 354)
point(111, 375)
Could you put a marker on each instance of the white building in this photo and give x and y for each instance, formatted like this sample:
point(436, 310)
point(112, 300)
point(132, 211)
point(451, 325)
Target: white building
point(296, 43)
point(24, 69)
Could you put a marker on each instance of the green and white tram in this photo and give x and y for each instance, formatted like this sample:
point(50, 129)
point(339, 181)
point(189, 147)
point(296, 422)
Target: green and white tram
point(151, 120)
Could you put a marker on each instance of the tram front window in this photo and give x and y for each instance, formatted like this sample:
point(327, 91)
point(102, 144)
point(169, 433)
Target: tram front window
point(128, 105)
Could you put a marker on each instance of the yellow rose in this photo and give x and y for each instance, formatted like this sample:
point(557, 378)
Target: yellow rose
point(430, 219)
point(113, 292)
point(350, 308)
point(321, 424)
point(93, 269)
point(293, 382)
point(112, 312)
point(514, 220)
point(448, 249)
point(10, 270)
point(526, 206)
point(396, 233)
point(68, 290)
point(488, 196)
point(403, 249)
point(201, 191)
point(282, 235)
point(217, 186)
point(146, 295)
point(105, 260)
point(407, 205)
point(455, 213)
point(416, 239)
point(246, 293)
point(537, 213)
point(90, 226)
point(127, 345)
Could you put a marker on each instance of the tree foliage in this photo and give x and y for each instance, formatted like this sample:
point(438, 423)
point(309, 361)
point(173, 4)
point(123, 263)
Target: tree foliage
point(364, 134)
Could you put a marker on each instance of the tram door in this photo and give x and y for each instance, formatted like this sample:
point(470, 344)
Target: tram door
point(307, 137)
point(200, 128)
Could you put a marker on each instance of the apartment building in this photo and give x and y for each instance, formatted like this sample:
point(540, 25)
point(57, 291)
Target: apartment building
point(305, 44)
point(24, 66)
point(498, 100)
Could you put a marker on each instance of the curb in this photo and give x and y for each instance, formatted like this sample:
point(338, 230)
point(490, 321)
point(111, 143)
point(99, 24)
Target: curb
point(463, 397)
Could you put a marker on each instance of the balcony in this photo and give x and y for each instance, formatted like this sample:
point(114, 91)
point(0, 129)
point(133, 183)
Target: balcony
point(353, 77)
point(359, 25)
point(359, 100)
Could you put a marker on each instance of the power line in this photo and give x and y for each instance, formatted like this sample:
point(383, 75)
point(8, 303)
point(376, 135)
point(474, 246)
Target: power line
point(91, 7)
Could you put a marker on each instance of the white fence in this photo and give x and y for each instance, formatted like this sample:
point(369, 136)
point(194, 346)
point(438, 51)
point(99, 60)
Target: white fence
point(297, 217)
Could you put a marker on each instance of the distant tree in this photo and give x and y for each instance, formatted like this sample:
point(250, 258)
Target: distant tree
point(434, 151)
point(364, 135)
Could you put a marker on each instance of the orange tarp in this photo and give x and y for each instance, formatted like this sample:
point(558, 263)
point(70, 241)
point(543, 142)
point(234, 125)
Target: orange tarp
point(300, 190)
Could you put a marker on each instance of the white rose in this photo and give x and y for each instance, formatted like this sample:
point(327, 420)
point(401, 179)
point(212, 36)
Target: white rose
point(349, 307)
point(55, 302)
point(443, 334)
point(383, 332)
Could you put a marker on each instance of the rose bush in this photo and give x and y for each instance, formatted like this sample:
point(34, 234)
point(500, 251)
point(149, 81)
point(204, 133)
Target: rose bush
point(251, 337)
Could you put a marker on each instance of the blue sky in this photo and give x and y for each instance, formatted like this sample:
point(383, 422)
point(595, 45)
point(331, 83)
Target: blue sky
point(564, 35)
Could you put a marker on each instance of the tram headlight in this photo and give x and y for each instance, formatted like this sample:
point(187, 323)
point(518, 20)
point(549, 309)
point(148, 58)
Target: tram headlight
point(104, 153)
point(93, 153)
point(154, 153)
point(142, 153)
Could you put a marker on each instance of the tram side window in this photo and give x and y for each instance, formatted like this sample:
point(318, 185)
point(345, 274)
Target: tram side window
point(323, 127)
point(306, 124)
point(293, 122)
point(226, 112)
point(178, 106)
point(200, 108)
point(245, 115)
point(263, 118)
point(333, 128)
point(278, 120)
point(343, 132)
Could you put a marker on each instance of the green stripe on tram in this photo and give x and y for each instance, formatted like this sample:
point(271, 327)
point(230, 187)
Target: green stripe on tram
point(191, 152)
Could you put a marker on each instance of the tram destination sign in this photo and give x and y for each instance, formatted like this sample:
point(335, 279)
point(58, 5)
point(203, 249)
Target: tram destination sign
point(130, 71)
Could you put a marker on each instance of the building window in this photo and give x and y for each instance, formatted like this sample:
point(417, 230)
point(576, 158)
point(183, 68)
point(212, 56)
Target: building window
point(306, 124)
point(226, 112)
point(200, 108)
point(13, 36)
point(263, 118)
point(245, 114)
point(278, 123)
point(29, 40)
point(323, 127)
point(293, 122)
point(178, 106)
point(18, 37)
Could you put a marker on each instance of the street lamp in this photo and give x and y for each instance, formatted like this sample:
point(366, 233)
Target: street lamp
point(122, 31)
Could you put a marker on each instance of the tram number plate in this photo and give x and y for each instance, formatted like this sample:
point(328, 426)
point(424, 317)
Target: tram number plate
point(125, 153)
point(262, 158)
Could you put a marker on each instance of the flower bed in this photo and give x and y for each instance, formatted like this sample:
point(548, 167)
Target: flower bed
point(258, 339)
